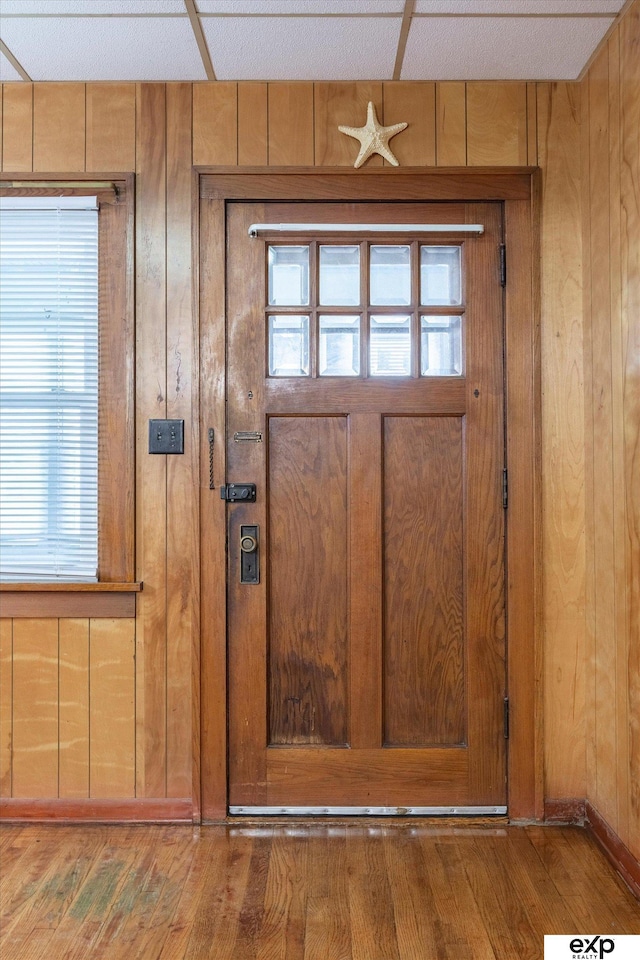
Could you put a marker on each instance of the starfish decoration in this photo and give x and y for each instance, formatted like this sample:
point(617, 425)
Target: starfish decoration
point(373, 137)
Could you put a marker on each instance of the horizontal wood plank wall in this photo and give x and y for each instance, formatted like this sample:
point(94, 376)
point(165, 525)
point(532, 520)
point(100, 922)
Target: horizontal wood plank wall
point(611, 151)
point(69, 128)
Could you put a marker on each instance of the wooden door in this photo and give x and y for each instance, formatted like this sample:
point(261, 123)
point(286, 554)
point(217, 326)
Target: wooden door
point(365, 401)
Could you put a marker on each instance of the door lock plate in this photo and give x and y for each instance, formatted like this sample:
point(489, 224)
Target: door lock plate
point(249, 555)
point(242, 492)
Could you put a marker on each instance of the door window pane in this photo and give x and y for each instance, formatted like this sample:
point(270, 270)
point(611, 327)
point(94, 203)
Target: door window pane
point(390, 275)
point(339, 276)
point(440, 281)
point(288, 346)
point(289, 276)
point(339, 346)
point(390, 346)
point(441, 346)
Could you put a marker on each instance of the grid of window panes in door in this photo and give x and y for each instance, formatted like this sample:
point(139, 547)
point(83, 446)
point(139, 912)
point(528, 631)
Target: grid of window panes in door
point(368, 309)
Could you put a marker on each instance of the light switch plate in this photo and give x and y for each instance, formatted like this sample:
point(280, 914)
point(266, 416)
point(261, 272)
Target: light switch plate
point(166, 436)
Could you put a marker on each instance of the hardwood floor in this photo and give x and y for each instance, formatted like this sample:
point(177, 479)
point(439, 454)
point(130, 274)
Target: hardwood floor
point(322, 891)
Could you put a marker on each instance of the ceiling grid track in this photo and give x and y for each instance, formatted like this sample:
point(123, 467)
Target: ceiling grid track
point(407, 14)
point(196, 26)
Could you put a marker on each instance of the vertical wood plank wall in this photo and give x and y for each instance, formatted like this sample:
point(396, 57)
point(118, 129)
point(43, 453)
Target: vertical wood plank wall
point(611, 202)
point(592, 688)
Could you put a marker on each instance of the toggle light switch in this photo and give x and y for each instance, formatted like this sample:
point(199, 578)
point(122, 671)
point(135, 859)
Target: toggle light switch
point(166, 436)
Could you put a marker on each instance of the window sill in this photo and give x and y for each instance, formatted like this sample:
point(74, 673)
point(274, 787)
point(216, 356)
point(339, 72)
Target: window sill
point(43, 600)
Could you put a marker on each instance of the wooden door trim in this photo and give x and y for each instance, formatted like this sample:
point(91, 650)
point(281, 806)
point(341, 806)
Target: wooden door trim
point(518, 189)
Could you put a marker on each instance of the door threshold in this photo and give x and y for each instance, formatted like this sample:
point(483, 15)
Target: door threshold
point(240, 811)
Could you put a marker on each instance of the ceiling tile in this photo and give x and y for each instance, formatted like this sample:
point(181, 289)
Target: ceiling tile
point(308, 7)
point(499, 48)
point(55, 8)
point(7, 70)
point(305, 48)
point(105, 48)
point(518, 6)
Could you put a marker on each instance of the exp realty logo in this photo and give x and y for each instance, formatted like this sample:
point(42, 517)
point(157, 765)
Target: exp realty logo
point(586, 949)
point(591, 947)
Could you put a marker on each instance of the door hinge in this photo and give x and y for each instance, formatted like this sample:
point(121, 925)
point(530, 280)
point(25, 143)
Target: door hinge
point(505, 706)
point(505, 488)
point(503, 265)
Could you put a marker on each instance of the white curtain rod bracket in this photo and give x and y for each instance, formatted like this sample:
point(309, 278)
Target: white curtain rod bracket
point(257, 228)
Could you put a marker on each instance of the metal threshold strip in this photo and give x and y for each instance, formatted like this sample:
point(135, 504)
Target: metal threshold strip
point(257, 228)
point(239, 811)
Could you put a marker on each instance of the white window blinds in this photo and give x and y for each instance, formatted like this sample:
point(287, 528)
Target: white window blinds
point(48, 388)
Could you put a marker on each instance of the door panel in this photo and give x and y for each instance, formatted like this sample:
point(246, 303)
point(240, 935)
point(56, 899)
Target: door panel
point(367, 666)
point(307, 562)
point(423, 582)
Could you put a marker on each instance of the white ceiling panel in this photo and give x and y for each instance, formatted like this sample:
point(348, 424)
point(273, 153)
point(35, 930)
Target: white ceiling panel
point(7, 70)
point(297, 7)
point(303, 48)
point(500, 48)
point(518, 7)
point(56, 8)
point(105, 48)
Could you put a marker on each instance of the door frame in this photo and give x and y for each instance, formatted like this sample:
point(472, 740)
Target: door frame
point(518, 189)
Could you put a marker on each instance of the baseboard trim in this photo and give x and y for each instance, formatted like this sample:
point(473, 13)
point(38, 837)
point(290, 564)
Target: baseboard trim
point(142, 810)
point(616, 852)
point(564, 810)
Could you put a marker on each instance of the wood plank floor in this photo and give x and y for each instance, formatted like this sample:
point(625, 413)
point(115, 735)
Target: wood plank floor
point(298, 891)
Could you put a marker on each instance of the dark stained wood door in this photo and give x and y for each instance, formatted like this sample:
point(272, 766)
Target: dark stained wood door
point(367, 666)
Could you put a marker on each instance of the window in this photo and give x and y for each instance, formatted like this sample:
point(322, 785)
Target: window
point(49, 388)
point(372, 309)
point(66, 391)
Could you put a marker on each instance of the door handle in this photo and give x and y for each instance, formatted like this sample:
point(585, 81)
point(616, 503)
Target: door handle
point(249, 554)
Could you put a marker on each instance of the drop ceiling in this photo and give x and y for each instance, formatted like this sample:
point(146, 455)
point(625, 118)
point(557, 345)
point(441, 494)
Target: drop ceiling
point(93, 40)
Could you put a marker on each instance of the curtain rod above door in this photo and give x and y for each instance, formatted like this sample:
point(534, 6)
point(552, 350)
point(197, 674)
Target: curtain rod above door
point(256, 228)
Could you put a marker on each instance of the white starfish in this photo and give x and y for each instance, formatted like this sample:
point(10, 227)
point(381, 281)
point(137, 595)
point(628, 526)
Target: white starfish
point(373, 137)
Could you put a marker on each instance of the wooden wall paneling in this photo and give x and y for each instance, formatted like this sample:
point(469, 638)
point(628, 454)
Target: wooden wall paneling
point(59, 127)
point(183, 599)
point(213, 524)
point(74, 708)
point(215, 124)
point(35, 708)
point(589, 460)
point(291, 124)
point(151, 484)
point(523, 520)
point(17, 127)
point(451, 124)
point(252, 124)
point(497, 124)
point(563, 476)
point(342, 104)
point(604, 785)
point(111, 126)
point(415, 104)
point(1, 120)
point(630, 280)
point(532, 125)
point(6, 705)
point(112, 712)
point(617, 419)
